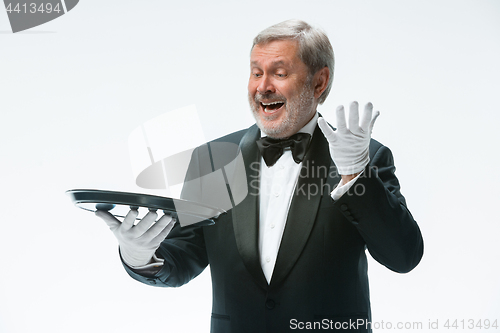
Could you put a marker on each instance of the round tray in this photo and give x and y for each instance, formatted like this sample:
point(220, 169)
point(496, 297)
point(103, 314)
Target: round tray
point(119, 204)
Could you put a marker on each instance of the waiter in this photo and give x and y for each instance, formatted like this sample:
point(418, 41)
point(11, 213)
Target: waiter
point(291, 255)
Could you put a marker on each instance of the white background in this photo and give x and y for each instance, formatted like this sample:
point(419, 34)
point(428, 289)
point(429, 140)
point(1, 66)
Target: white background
point(73, 89)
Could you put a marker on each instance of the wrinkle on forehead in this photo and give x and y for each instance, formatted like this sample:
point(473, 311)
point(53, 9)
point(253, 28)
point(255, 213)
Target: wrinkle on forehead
point(280, 50)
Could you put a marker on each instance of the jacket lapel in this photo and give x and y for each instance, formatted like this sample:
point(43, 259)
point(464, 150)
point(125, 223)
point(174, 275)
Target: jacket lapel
point(246, 213)
point(304, 206)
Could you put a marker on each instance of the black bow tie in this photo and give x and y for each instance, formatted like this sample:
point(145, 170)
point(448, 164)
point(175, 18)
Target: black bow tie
point(272, 149)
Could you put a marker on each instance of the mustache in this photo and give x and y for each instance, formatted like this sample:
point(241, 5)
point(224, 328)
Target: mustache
point(268, 97)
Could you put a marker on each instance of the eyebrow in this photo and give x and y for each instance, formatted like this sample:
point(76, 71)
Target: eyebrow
point(274, 63)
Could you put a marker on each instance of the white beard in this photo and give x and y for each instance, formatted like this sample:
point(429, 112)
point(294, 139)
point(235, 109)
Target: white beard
point(298, 111)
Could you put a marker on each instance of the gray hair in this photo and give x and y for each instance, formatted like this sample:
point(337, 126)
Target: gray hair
point(315, 49)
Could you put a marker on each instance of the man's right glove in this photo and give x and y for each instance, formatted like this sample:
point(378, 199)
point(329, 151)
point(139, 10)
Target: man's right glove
point(139, 242)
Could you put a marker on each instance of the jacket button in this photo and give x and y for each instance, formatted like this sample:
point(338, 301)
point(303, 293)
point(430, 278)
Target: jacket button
point(343, 207)
point(270, 304)
point(350, 218)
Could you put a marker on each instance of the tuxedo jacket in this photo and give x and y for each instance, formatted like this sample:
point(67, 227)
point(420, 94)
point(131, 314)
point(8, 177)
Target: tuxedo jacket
point(320, 276)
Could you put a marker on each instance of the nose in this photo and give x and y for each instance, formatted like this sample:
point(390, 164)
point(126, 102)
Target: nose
point(265, 85)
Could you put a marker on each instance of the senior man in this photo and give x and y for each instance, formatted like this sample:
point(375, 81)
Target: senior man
point(291, 255)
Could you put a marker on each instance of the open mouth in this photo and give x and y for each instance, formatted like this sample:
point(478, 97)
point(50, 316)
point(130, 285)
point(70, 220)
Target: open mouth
point(272, 107)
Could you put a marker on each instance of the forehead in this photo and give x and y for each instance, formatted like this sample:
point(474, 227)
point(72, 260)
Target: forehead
point(276, 52)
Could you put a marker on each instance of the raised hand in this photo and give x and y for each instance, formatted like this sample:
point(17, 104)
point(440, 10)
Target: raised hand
point(349, 145)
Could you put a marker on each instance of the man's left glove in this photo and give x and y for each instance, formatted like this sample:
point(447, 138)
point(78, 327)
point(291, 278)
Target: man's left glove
point(349, 146)
point(138, 243)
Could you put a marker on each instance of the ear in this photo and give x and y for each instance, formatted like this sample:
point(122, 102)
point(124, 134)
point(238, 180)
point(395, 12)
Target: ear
point(320, 81)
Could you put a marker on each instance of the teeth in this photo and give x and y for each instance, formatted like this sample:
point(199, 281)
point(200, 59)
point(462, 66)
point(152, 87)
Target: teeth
point(266, 104)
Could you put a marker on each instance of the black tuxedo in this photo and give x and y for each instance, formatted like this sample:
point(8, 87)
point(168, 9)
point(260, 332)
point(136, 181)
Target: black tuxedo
point(321, 269)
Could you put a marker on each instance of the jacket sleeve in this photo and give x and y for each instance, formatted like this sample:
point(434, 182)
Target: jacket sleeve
point(375, 205)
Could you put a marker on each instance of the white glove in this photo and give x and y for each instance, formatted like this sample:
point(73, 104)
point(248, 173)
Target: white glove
point(349, 146)
point(139, 242)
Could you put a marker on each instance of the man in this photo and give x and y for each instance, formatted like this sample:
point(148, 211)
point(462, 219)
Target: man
point(291, 255)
